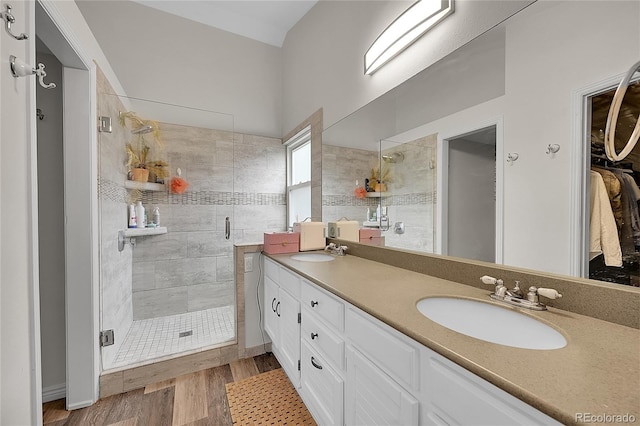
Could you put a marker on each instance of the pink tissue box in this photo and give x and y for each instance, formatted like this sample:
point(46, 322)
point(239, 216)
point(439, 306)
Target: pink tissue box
point(281, 242)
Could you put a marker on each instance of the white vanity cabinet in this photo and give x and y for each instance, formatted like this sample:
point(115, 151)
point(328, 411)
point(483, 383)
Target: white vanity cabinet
point(355, 369)
point(282, 317)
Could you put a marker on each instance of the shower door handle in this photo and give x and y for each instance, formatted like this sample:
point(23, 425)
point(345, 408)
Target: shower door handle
point(227, 228)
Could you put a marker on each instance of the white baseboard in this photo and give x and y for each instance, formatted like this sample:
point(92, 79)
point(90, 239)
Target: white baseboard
point(78, 405)
point(51, 393)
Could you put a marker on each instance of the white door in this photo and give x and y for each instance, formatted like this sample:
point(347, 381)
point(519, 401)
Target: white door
point(20, 387)
point(289, 331)
point(270, 310)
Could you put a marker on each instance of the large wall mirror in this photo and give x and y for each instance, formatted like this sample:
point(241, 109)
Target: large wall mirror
point(488, 153)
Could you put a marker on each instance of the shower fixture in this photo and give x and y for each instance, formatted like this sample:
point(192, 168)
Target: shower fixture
point(396, 157)
point(142, 130)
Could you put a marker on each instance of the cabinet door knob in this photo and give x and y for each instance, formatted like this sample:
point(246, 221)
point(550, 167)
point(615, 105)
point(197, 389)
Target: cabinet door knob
point(277, 311)
point(314, 335)
point(316, 365)
point(313, 303)
point(273, 308)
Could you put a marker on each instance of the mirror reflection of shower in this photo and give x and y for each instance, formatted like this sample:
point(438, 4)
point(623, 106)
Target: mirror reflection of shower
point(142, 130)
point(393, 158)
point(411, 193)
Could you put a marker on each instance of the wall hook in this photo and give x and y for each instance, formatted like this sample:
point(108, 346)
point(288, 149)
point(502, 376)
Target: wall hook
point(553, 148)
point(8, 20)
point(19, 68)
point(512, 156)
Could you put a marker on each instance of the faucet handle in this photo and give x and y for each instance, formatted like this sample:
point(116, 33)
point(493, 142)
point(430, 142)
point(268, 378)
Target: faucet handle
point(500, 289)
point(490, 280)
point(549, 293)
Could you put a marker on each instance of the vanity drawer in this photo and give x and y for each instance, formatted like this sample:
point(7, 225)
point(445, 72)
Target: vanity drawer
point(320, 338)
point(328, 308)
point(395, 353)
point(271, 270)
point(322, 389)
point(290, 282)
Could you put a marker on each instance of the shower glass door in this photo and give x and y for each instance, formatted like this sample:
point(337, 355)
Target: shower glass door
point(168, 289)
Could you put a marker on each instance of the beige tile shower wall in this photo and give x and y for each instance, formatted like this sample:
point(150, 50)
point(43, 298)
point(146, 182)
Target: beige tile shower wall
point(230, 175)
point(115, 266)
point(341, 167)
point(412, 197)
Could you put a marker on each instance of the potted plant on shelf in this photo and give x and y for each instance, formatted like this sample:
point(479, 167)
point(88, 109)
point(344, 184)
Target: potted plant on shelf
point(380, 176)
point(138, 150)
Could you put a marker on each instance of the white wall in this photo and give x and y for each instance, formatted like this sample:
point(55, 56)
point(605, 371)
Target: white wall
point(51, 231)
point(323, 53)
point(19, 348)
point(569, 55)
point(165, 58)
point(19, 335)
point(543, 71)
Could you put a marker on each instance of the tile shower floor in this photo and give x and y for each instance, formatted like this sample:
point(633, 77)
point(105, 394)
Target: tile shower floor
point(160, 337)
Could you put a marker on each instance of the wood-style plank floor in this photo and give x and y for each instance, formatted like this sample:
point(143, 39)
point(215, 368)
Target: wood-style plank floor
point(196, 399)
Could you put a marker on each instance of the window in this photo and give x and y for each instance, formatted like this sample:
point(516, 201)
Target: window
point(299, 176)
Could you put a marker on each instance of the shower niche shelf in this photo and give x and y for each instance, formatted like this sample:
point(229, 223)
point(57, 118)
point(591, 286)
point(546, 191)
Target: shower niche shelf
point(144, 186)
point(129, 235)
point(376, 194)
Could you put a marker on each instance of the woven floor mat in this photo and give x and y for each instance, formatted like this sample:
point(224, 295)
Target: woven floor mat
point(268, 398)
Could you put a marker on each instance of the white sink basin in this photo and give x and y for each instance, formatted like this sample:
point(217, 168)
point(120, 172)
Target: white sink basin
point(491, 323)
point(313, 257)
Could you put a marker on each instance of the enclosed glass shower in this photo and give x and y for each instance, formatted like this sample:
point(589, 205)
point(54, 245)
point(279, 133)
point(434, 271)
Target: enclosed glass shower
point(410, 197)
point(168, 288)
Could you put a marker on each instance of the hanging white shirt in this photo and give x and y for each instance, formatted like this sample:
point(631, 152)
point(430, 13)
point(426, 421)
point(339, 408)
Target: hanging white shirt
point(603, 230)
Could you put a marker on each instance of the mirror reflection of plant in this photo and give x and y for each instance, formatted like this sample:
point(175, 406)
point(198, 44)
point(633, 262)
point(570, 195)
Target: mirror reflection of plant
point(138, 150)
point(381, 175)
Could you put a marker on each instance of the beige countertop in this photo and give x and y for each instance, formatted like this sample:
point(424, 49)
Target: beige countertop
point(597, 372)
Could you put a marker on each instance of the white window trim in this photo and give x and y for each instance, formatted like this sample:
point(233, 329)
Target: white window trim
point(299, 139)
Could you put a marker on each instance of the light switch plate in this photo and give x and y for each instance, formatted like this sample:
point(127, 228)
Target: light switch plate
point(248, 264)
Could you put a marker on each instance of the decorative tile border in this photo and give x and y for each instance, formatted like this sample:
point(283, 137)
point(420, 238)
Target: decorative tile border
point(111, 191)
point(392, 200)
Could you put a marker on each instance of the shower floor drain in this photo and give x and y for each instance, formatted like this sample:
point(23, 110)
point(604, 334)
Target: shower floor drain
point(185, 333)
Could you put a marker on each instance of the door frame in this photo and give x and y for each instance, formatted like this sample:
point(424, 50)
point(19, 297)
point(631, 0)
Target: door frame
point(444, 139)
point(81, 210)
point(579, 168)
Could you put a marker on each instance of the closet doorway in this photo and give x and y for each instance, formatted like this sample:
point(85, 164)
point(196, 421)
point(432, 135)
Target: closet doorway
point(613, 227)
point(469, 191)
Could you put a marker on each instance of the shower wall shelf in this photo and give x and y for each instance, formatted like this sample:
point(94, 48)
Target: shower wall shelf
point(142, 232)
point(376, 194)
point(129, 235)
point(144, 186)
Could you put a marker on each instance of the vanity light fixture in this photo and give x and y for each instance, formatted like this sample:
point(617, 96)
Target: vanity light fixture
point(406, 29)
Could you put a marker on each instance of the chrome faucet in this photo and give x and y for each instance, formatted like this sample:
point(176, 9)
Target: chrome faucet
point(336, 249)
point(516, 297)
